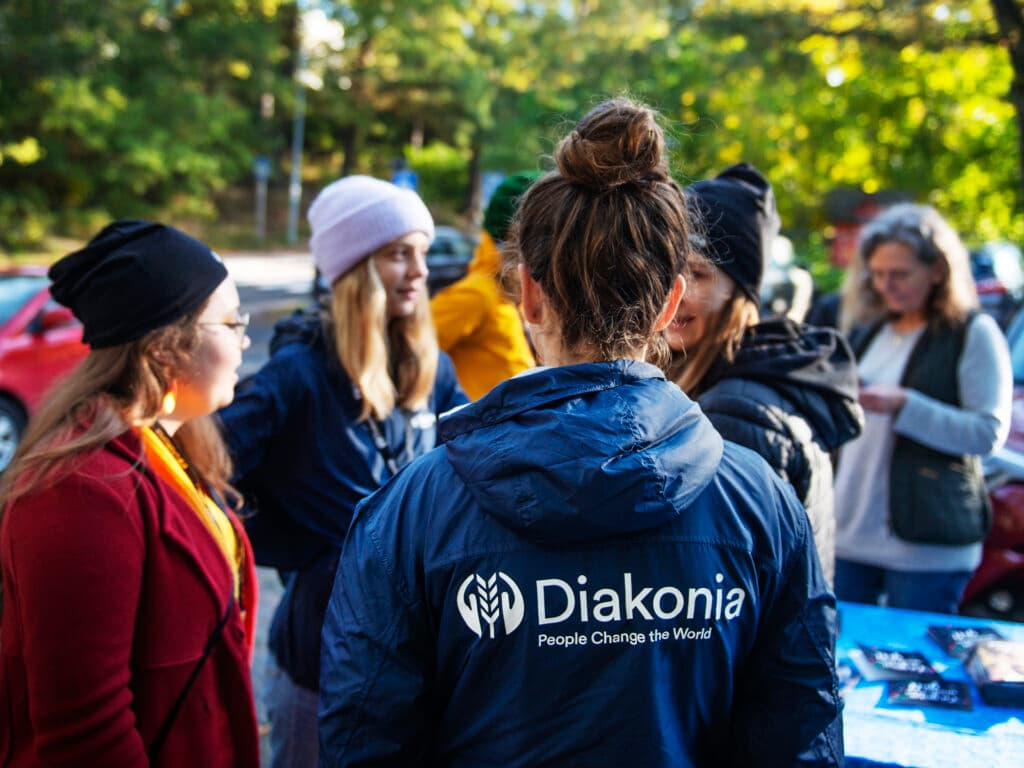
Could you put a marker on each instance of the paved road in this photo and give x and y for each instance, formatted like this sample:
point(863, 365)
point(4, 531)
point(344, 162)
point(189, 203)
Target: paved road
point(270, 286)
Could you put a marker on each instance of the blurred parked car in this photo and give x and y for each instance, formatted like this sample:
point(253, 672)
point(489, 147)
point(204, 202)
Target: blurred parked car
point(997, 588)
point(447, 259)
point(40, 341)
point(998, 278)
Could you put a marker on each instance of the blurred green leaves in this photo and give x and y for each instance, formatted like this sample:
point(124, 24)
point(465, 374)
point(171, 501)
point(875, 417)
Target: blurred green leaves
point(151, 107)
point(126, 107)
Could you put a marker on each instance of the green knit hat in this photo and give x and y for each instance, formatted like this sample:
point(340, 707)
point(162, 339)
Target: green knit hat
point(502, 207)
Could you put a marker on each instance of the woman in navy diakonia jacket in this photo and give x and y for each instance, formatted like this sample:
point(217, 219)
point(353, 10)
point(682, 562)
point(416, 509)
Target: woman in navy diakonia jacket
point(584, 573)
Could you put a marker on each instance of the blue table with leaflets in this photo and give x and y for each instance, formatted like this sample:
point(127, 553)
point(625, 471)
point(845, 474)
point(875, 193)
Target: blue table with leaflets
point(879, 734)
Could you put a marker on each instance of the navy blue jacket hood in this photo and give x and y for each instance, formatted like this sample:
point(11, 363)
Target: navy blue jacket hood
point(631, 443)
point(583, 574)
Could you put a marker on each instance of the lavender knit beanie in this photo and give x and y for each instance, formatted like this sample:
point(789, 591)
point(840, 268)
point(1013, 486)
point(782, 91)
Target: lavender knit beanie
point(354, 216)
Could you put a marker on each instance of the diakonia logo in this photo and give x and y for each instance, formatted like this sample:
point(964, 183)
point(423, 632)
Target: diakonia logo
point(484, 600)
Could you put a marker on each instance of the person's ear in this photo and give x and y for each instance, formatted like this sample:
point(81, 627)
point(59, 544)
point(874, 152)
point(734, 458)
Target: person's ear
point(162, 363)
point(530, 296)
point(671, 304)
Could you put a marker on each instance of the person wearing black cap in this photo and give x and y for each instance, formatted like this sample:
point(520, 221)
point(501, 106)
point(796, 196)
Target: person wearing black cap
point(128, 585)
point(788, 392)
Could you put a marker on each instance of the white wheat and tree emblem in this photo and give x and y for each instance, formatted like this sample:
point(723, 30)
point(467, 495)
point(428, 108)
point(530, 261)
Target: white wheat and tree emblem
point(485, 600)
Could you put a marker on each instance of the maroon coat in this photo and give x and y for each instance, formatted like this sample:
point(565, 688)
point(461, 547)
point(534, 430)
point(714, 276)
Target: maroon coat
point(111, 588)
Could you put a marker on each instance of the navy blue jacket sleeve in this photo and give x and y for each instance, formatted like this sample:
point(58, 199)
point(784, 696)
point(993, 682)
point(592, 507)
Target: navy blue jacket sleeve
point(787, 706)
point(448, 392)
point(260, 411)
point(375, 661)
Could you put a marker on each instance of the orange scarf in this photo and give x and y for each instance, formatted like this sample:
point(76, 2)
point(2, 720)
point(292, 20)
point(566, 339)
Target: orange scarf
point(171, 467)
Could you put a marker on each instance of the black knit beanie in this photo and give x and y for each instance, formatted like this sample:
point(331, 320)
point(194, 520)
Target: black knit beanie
point(736, 223)
point(135, 277)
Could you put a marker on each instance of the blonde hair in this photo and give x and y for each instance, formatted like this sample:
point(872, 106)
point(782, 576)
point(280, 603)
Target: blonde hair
point(933, 241)
point(110, 390)
point(689, 367)
point(390, 362)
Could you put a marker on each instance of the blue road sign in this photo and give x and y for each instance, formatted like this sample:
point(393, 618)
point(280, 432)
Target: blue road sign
point(405, 178)
point(489, 183)
point(261, 167)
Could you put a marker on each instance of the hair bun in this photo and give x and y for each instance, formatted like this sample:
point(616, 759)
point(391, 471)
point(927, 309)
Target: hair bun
point(614, 144)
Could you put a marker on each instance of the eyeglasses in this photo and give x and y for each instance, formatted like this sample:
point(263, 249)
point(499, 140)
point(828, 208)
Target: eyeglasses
point(239, 326)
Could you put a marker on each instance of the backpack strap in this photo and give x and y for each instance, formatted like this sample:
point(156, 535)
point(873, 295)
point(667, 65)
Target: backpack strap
point(172, 715)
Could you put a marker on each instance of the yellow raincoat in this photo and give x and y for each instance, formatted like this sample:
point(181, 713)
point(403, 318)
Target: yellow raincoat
point(479, 326)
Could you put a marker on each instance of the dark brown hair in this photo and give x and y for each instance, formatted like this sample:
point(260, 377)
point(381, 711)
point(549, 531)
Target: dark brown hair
point(606, 233)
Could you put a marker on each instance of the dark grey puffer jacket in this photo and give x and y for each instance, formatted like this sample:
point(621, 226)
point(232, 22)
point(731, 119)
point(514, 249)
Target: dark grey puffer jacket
point(791, 396)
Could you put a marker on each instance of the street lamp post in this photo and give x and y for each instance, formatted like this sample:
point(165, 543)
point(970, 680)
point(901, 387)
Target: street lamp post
point(295, 180)
point(320, 37)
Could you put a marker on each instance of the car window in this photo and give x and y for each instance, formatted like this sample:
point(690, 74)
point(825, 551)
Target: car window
point(1000, 260)
point(1007, 267)
point(15, 290)
point(981, 265)
point(450, 247)
point(1015, 339)
point(1017, 357)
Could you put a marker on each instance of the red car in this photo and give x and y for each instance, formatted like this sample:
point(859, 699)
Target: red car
point(40, 341)
point(998, 270)
point(996, 589)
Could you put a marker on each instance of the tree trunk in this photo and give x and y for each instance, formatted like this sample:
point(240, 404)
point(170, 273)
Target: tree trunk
point(1011, 31)
point(471, 203)
point(357, 93)
point(350, 146)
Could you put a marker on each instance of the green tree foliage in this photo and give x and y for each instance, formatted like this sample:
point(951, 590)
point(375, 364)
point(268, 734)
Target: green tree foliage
point(127, 107)
point(443, 173)
point(136, 106)
point(908, 96)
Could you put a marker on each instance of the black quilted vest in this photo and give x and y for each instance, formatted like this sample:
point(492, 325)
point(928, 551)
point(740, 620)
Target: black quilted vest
point(935, 497)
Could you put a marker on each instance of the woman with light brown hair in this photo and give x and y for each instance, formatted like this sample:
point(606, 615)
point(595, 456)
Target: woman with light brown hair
point(936, 385)
point(348, 398)
point(128, 584)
